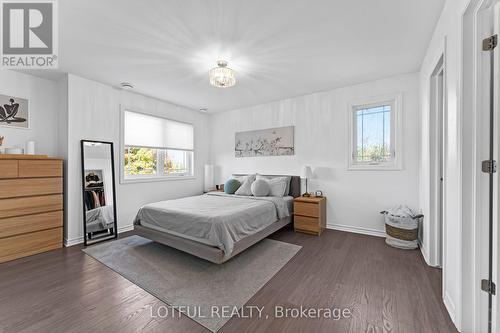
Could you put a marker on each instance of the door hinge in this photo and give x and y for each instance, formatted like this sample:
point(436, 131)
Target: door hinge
point(489, 166)
point(490, 43)
point(488, 286)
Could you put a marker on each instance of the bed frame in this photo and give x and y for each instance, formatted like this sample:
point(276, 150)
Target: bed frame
point(212, 253)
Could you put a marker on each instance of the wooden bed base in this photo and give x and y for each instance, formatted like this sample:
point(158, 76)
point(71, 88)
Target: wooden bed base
point(208, 252)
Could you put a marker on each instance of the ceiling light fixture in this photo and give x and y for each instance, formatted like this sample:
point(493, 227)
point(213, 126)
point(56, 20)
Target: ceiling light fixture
point(222, 76)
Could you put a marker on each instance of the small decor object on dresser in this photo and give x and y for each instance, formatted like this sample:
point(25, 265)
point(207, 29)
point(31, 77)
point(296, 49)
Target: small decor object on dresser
point(14, 112)
point(309, 215)
point(267, 142)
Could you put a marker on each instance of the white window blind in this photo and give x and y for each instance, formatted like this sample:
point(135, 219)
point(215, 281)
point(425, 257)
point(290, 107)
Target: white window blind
point(142, 130)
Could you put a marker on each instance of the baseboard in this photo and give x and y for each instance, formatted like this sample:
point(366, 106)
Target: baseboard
point(450, 306)
point(423, 250)
point(79, 240)
point(356, 230)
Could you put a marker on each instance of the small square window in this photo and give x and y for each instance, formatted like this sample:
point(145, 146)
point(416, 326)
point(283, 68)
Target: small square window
point(374, 135)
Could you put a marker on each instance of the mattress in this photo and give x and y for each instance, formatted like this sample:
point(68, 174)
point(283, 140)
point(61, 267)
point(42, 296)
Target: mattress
point(215, 219)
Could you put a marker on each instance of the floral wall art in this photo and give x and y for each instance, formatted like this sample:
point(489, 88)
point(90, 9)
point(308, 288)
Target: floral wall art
point(267, 142)
point(14, 112)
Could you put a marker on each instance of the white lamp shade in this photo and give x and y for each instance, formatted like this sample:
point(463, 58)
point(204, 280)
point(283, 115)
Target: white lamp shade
point(209, 177)
point(306, 172)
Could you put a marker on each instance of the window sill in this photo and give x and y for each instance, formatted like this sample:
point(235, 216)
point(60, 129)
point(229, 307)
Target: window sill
point(368, 167)
point(155, 179)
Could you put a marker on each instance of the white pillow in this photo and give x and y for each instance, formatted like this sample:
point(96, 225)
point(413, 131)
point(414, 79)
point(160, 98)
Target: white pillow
point(260, 188)
point(277, 186)
point(246, 186)
point(287, 180)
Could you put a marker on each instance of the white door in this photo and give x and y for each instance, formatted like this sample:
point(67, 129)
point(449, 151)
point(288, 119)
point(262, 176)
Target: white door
point(495, 232)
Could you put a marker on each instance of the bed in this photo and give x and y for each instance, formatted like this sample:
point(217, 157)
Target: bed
point(216, 226)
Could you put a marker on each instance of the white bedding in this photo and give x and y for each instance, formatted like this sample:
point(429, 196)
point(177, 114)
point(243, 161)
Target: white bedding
point(216, 219)
point(100, 218)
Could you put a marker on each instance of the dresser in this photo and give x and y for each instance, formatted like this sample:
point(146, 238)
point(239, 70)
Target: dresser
point(309, 215)
point(31, 205)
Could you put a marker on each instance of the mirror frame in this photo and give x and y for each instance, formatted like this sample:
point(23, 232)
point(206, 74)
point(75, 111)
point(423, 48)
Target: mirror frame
point(115, 236)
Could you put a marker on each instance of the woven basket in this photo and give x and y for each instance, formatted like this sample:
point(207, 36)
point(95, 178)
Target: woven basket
point(403, 234)
point(402, 231)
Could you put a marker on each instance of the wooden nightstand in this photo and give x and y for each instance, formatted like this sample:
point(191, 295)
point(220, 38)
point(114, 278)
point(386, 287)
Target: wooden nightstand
point(309, 215)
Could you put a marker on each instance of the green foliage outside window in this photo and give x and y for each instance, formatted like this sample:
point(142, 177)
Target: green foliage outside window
point(140, 161)
point(373, 153)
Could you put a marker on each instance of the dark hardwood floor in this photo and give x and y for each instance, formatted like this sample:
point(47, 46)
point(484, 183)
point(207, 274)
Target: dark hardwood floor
point(388, 290)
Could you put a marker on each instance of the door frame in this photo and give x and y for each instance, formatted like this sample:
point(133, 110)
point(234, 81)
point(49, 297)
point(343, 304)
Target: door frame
point(495, 310)
point(475, 148)
point(438, 130)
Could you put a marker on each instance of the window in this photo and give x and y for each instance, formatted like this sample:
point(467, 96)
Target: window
point(374, 135)
point(156, 148)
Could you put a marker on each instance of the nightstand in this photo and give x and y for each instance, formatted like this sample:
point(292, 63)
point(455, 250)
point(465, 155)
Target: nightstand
point(309, 215)
point(213, 191)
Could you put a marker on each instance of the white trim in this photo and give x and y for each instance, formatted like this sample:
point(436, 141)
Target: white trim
point(423, 250)
point(396, 163)
point(79, 240)
point(146, 179)
point(437, 231)
point(450, 306)
point(356, 230)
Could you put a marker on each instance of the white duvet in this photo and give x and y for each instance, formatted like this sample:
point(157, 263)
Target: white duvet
point(216, 218)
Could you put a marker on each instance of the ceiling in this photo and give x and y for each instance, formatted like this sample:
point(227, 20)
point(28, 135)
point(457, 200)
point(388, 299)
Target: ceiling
point(279, 49)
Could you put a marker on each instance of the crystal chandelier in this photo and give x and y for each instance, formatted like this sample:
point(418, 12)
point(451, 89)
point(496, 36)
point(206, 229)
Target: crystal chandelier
point(222, 76)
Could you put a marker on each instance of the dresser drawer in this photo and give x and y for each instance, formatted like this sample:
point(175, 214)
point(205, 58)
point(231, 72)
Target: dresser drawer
point(28, 244)
point(29, 223)
point(305, 223)
point(33, 169)
point(306, 209)
point(31, 205)
point(12, 188)
point(8, 169)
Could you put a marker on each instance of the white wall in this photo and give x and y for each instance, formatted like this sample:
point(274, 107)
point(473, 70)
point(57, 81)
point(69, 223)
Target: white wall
point(94, 114)
point(354, 198)
point(43, 107)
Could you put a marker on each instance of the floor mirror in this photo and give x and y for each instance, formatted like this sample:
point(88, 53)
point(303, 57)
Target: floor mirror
point(98, 190)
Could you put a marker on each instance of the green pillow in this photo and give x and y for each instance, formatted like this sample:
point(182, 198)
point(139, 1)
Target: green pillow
point(231, 186)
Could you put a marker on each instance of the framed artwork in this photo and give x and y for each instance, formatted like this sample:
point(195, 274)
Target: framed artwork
point(277, 141)
point(14, 112)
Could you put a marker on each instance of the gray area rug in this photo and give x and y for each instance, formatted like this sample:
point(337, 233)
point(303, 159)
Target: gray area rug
point(198, 288)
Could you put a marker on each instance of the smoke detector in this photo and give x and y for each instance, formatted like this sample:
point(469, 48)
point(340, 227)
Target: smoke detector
point(127, 85)
point(204, 110)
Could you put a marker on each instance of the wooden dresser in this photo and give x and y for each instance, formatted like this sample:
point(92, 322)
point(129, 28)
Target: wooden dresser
point(31, 205)
point(309, 215)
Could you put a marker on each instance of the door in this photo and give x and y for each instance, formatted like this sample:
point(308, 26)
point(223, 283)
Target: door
point(488, 284)
point(494, 268)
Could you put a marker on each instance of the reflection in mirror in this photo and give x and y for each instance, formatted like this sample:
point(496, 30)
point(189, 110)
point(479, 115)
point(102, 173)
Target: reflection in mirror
point(98, 191)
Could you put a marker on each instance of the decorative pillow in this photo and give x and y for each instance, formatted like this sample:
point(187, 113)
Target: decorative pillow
point(287, 181)
point(241, 179)
point(277, 186)
point(231, 186)
point(260, 188)
point(246, 187)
